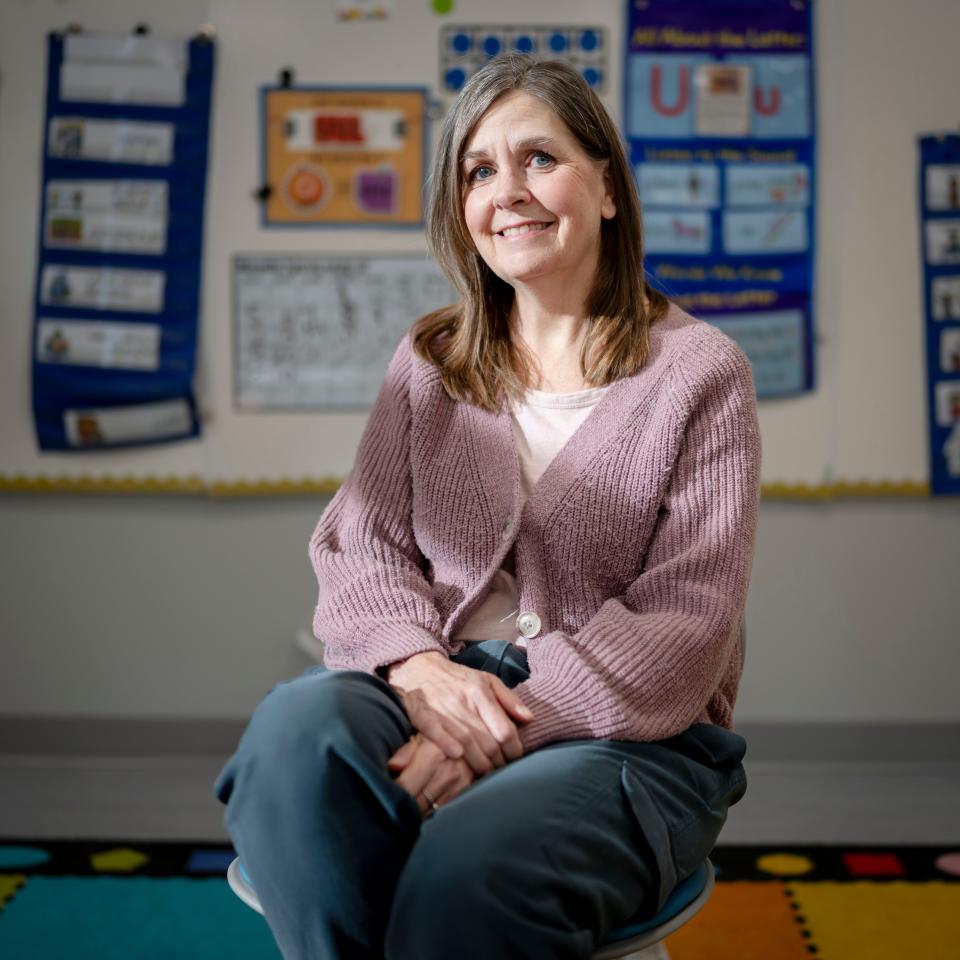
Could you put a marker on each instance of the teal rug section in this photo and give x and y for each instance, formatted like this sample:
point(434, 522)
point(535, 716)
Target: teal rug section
point(131, 918)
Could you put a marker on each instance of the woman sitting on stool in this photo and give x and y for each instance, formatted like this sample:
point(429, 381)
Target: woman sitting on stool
point(531, 584)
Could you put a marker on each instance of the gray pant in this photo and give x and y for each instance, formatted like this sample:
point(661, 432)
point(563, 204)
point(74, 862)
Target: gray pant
point(536, 860)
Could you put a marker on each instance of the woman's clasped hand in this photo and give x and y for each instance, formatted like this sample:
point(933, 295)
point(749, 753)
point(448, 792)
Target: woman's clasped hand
point(466, 722)
point(428, 774)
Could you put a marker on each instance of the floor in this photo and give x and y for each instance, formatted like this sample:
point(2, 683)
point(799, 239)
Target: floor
point(49, 797)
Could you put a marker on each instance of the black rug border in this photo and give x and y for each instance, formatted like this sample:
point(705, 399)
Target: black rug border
point(733, 862)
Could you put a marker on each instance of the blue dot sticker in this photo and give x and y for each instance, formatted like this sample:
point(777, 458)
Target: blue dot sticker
point(455, 78)
point(209, 861)
point(19, 858)
point(592, 76)
point(524, 44)
point(461, 42)
point(558, 42)
point(491, 46)
point(589, 40)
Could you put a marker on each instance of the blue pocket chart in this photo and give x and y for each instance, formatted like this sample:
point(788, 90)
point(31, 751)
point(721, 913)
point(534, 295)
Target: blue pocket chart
point(719, 120)
point(939, 189)
point(121, 240)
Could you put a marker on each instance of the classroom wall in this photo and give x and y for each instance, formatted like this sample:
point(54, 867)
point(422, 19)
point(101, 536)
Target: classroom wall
point(886, 71)
point(189, 607)
point(172, 608)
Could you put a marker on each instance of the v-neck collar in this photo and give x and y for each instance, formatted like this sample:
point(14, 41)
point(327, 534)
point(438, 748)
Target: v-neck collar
point(601, 427)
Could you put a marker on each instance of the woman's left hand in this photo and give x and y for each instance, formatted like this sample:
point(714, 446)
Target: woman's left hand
point(428, 774)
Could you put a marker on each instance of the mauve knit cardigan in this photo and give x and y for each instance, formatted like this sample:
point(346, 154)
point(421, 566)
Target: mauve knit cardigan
point(634, 548)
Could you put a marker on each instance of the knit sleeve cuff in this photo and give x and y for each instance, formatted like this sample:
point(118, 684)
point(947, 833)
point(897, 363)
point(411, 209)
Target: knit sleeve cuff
point(384, 644)
point(549, 723)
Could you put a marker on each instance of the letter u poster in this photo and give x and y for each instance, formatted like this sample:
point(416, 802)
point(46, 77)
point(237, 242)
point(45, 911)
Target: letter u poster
point(719, 120)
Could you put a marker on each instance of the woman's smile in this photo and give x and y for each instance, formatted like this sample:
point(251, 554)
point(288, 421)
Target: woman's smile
point(524, 230)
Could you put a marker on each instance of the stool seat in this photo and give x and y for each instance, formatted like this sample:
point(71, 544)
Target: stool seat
point(686, 900)
point(240, 884)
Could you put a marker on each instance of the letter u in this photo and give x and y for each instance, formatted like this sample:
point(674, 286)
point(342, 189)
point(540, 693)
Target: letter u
point(766, 107)
point(656, 92)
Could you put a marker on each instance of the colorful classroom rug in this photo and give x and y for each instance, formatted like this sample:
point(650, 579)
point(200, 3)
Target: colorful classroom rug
point(169, 901)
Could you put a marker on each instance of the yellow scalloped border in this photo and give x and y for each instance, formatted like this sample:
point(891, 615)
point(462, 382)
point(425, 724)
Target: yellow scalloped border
point(19, 483)
point(184, 486)
point(845, 489)
point(327, 486)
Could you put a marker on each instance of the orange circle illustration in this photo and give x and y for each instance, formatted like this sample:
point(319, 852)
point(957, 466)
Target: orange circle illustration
point(306, 188)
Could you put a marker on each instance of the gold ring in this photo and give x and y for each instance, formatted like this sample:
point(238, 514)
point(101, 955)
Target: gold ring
point(433, 803)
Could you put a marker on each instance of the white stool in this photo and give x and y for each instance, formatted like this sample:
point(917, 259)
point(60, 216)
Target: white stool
point(632, 941)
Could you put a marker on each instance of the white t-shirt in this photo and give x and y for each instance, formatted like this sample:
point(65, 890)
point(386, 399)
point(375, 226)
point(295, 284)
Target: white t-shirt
point(542, 425)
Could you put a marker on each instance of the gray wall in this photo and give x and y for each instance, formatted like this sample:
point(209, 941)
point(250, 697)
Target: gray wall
point(189, 608)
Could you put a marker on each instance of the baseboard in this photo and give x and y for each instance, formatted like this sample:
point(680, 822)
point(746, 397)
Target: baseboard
point(118, 736)
point(147, 737)
point(868, 742)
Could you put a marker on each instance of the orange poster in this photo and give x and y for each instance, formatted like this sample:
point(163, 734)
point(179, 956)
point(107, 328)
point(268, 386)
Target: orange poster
point(339, 156)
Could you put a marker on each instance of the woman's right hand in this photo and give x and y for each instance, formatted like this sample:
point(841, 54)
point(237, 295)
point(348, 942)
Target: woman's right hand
point(467, 713)
point(428, 775)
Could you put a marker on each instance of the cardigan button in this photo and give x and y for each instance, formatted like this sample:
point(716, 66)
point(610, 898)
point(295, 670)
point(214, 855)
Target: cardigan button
point(507, 528)
point(528, 625)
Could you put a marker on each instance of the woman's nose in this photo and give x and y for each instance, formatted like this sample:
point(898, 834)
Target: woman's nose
point(511, 189)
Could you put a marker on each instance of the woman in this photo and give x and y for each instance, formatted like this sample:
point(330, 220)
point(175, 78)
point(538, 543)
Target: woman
point(531, 584)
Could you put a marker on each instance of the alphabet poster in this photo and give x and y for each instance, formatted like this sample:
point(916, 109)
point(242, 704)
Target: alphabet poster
point(719, 119)
point(337, 156)
point(940, 243)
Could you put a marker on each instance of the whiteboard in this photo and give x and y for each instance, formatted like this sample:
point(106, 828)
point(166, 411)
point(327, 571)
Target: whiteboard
point(316, 332)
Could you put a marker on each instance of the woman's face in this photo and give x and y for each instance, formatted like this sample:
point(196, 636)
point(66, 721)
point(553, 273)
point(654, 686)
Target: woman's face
point(533, 200)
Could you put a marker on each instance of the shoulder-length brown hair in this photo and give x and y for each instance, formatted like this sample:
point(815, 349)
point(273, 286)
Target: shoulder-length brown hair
point(470, 342)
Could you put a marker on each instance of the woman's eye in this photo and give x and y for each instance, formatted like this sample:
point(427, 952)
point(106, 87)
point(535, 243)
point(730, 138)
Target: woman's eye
point(541, 160)
point(482, 172)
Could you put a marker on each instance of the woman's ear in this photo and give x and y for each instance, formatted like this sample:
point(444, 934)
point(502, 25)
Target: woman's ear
point(608, 209)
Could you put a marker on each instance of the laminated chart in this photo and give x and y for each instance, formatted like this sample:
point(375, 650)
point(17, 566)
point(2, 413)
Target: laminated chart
point(464, 49)
point(118, 277)
point(719, 119)
point(344, 156)
point(317, 332)
point(940, 244)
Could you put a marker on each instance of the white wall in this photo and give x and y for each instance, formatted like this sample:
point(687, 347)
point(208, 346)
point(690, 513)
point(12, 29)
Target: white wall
point(886, 71)
point(187, 607)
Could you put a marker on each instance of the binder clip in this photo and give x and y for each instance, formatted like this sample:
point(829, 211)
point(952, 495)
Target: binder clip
point(206, 33)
